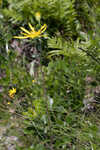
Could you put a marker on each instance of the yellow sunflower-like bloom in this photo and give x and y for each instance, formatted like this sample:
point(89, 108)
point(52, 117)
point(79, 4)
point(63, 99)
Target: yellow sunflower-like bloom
point(32, 33)
point(12, 92)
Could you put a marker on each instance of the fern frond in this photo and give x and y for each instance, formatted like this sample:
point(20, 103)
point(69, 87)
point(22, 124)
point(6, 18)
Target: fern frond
point(66, 48)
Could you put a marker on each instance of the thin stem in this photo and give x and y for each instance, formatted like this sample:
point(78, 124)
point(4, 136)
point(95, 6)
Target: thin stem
point(90, 55)
point(45, 95)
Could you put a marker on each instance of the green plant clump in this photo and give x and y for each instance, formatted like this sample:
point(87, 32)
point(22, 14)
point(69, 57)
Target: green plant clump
point(50, 73)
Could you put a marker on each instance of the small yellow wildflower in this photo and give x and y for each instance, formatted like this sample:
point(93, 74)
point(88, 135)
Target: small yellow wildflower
point(31, 34)
point(33, 81)
point(12, 92)
point(8, 103)
point(38, 16)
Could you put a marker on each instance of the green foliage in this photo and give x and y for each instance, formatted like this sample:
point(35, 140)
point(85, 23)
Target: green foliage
point(69, 49)
point(52, 105)
point(53, 120)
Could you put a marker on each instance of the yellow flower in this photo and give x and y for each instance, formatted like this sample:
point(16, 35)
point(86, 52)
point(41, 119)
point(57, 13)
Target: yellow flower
point(32, 33)
point(38, 16)
point(33, 81)
point(12, 92)
point(8, 103)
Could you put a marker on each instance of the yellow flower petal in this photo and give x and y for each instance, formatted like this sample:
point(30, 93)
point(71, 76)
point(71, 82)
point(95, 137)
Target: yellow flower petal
point(25, 30)
point(23, 33)
point(32, 28)
point(43, 28)
point(20, 37)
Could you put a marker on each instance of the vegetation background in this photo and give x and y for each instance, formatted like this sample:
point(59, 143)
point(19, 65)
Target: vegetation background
point(55, 79)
